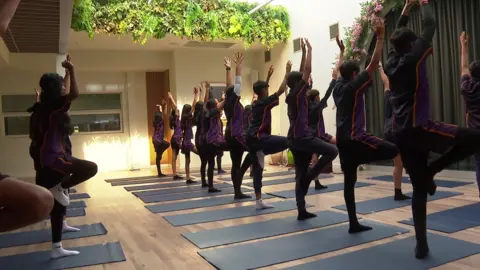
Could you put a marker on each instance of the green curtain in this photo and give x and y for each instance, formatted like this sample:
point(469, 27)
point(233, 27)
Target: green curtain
point(447, 104)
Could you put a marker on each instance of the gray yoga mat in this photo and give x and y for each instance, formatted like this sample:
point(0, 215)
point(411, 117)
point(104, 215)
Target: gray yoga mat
point(439, 182)
point(229, 213)
point(252, 231)
point(453, 220)
point(77, 204)
point(78, 196)
point(247, 175)
point(183, 196)
point(283, 181)
point(398, 255)
point(147, 181)
point(43, 236)
point(312, 191)
point(164, 185)
point(89, 255)
point(176, 190)
point(72, 190)
point(284, 249)
point(388, 203)
point(207, 202)
point(75, 212)
point(196, 171)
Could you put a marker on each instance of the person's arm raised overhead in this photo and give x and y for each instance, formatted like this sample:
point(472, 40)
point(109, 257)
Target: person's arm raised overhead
point(73, 91)
point(403, 20)
point(307, 70)
point(378, 25)
point(271, 69)
point(7, 10)
point(464, 65)
point(283, 87)
point(172, 101)
point(207, 92)
point(163, 107)
point(423, 44)
point(228, 68)
point(304, 54)
point(383, 76)
point(221, 103)
point(329, 91)
point(195, 97)
point(238, 73)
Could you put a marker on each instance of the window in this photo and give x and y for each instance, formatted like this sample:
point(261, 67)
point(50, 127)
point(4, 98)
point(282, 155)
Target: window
point(88, 113)
point(296, 45)
point(334, 31)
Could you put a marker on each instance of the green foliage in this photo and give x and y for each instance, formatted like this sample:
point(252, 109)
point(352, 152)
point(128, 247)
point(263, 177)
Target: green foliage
point(204, 20)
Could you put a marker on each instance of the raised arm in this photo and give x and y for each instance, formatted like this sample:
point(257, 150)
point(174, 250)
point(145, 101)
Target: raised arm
point(283, 87)
point(7, 10)
point(383, 76)
point(67, 81)
point(304, 54)
point(464, 66)
point(163, 108)
point(172, 101)
point(403, 21)
point(271, 69)
point(195, 97)
point(429, 24)
point(207, 92)
point(37, 95)
point(378, 25)
point(341, 46)
point(228, 68)
point(307, 70)
point(221, 103)
point(73, 91)
point(238, 74)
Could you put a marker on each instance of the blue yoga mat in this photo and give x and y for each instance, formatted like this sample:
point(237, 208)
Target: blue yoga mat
point(176, 190)
point(72, 190)
point(162, 185)
point(77, 204)
point(75, 212)
point(265, 175)
point(229, 213)
point(207, 202)
point(252, 231)
point(398, 255)
point(388, 203)
point(283, 181)
point(89, 255)
point(439, 182)
point(78, 196)
point(192, 195)
point(453, 220)
point(312, 191)
point(284, 249)
point(43, 236)
point(196, 172)
point(147, 181)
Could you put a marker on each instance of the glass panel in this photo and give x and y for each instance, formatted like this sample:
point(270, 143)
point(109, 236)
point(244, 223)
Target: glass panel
point(96, 122)
point(17, 125)
point(20, 103)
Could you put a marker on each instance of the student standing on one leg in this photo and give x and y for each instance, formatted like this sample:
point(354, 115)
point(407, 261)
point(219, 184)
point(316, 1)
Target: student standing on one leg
point(388, 136)
point(198, 114)
point(158, 140)
point(186, 124)
point(259, 140)
point(58, 170)
point(354, 144)
point(220, 151)
point(176, 140)
point(301, 142)
point(416, 135)
point(470, 87)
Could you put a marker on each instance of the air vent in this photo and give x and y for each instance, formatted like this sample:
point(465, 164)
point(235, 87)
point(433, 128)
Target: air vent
point(268, 56)
point(212, 45)
point(334, 31)
point(296, 45)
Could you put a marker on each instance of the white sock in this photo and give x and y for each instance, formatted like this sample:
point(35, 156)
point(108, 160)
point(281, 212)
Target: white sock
point(59, 195)
point(67, 228)
point(58, 251)
point(261, 205)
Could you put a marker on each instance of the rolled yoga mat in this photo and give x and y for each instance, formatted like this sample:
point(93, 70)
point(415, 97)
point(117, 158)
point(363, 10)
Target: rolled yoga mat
point(283, 181)
point(312, 191)
point(388, 203)
point(439, 182)
point(176, 190)
point(192, 195)
point(453, 220)
point(288, 248)
point(398, 255)
point(264, 229)
point(78, 196)
point(228, 213)
point(77, 204)
point(43, 236)
point(89, 255)
point(207, 202)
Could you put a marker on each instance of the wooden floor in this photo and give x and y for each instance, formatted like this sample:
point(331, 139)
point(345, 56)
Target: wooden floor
point(149, 242)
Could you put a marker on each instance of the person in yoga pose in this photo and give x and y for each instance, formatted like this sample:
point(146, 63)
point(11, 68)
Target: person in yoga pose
point(158, 140)
point(260, 141)
point(470, 87)
point(355, 145)
point(198, 118)
point(219, 155)
point(300, 140)
point(57, 170)
point(388, 136)
point(213, 140)
point(415, 134)
point(186, 124)
point(316, 107)
point(176, 140)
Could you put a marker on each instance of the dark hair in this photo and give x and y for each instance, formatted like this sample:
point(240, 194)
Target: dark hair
point(313, 94)
point(347, 69)
point(171, 119)
point(157, 118)
point(197, 113)
point(211, 104)
point(186, 114)
point(229, 89)
point(52, 85)
point(402, 39)
point(247, 109)
point(475, 70)
point(259, 86)
point(293, 78)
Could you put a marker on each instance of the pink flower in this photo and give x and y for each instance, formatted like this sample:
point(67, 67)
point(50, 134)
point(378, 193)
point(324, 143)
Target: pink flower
point(378, 8)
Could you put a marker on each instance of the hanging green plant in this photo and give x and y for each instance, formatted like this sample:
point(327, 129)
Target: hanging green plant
point(204, 20)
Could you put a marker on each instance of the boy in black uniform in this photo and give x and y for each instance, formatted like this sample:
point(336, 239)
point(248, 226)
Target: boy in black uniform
point(355, 146)
point(416, 135)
